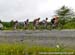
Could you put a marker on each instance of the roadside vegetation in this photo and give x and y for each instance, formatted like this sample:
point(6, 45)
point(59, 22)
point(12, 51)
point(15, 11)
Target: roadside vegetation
point(23, 49)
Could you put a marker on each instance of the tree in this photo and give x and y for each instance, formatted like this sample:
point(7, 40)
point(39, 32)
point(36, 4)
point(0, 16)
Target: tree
point(65, 14)
point(11, 23)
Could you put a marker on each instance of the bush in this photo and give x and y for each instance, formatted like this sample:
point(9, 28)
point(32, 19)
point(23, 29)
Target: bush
point(69, 25)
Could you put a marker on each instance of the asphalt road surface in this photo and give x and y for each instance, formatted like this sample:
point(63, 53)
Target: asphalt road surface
point(36, 37)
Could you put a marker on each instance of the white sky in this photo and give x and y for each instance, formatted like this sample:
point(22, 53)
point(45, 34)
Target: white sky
point(31, 9)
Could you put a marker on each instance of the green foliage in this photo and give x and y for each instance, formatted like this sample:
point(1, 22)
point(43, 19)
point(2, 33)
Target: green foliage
point(30, 27)
point(10, 26)
point(63, 11)
point(22, 49)
point(65, 14)
point(6, 24)
point(69, 25)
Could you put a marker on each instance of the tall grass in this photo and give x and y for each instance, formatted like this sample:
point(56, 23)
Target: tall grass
point(23, 49)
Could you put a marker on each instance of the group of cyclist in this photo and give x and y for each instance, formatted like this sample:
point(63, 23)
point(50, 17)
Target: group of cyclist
point(36, 22)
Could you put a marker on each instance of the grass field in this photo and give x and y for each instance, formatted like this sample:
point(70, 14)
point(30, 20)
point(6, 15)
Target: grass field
point(23, 49)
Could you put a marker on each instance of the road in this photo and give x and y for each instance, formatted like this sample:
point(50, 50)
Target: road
point(37, 37)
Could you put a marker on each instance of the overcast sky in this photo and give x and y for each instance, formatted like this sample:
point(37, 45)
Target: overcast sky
point(31, 9)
